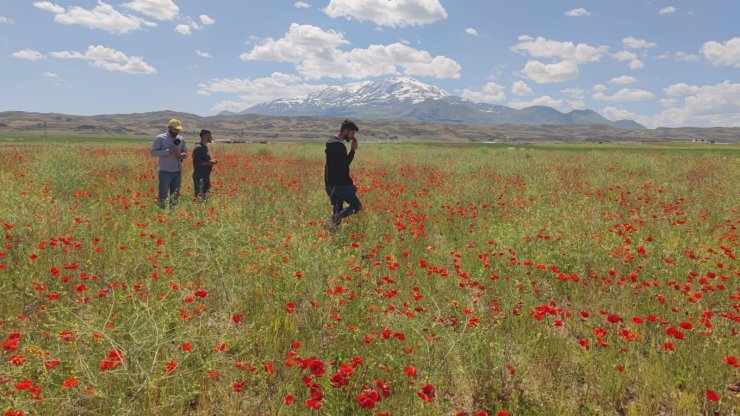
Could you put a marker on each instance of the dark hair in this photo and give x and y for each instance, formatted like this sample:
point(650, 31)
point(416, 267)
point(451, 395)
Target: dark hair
point(349, 125)
point(204, 132)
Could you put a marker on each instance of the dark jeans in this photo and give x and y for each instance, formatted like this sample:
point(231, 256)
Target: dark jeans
point(169, 184)
point(341, 194)
point(201, 184)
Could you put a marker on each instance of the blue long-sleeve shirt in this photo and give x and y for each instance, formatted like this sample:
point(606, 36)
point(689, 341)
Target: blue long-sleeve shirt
point(161, 149)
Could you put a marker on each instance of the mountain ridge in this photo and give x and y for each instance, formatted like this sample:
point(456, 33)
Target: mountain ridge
point(258, 128)
point(408, 98)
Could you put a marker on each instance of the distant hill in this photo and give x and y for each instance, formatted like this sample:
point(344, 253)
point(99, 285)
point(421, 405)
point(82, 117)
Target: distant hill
point(254, 127)
point(408, 98)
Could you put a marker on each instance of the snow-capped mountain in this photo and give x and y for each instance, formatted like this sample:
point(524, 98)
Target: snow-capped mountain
point(358, 97)
point(403, 97)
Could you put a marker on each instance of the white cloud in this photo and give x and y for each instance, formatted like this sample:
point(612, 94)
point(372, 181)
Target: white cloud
point(631, 57)
point(599, 88)
point(680, 89)
point(28, 55)
point(392, 13)
point(727, 53)
point(301, 42)
point(256, 91)
point(544, 100)
point(631, 42)
point(58, 81)
point(545, 48)
point(708, 105)
point(471, 31)
point(109, 59)
point(490, 92)
point(579, 12)
point(49, 7)
point(614, 113)
point(574, 92)
point(667, 10)
point(520, 88)
point(687, 57)
point(624, 79)
point(183, 29)
point(190, 25)
point(103, 17)
point(5, 20)
point(158, 9)
point(206, 20)
point(203, 54)
point(317, 54)
point(577, 97)
point(302, 5)
point(668, 102)
point(570, 55)
point(551, 73)
point(625, 94)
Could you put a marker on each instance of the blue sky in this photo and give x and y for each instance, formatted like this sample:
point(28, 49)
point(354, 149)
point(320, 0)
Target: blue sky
point(660, 62)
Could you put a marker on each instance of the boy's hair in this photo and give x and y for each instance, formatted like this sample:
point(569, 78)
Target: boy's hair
point(204, 132)
point(349, 125)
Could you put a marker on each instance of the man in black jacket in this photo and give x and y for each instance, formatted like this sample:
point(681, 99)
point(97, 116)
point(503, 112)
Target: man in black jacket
point(202, 166)
point(339, 185)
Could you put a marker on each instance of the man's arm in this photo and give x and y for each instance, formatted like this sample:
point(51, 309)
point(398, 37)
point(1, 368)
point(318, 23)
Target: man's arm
point(351, 155)
point(158, 148)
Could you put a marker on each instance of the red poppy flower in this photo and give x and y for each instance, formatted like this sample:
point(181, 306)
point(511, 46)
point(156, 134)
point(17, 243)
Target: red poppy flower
point(383, 386)
point(17, 360)
point(313, 404)
point(171, 367)
point(11, 343)
point(365, 399)
point(51, 364)
point(316, 367)
point(23, 385)
point(115, 358)
point(426, 393)
point(731, 360)
point(339, 380)
point(712, 395)
point(70, 383)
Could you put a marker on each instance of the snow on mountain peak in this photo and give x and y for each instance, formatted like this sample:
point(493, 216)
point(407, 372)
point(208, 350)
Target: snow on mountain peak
point(365, 93)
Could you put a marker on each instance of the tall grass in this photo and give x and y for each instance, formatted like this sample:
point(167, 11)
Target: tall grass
point(531, 281)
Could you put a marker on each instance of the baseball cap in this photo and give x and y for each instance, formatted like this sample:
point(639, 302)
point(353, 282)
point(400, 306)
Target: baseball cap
point(175, 123)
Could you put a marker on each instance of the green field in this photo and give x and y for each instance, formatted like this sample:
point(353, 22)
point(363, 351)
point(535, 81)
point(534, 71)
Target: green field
point(506, 279)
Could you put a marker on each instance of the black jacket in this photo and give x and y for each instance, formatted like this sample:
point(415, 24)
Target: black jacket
point(200, 155)
point(336, 171)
